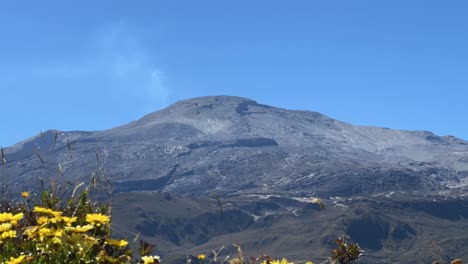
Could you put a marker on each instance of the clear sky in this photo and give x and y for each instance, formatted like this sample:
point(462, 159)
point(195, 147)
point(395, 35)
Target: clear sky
point(92, 65)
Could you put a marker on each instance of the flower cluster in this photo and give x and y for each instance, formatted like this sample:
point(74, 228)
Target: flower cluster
point(78, 233)
point(282, 261)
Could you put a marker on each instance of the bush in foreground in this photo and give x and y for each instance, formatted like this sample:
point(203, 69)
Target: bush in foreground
point(50, 231)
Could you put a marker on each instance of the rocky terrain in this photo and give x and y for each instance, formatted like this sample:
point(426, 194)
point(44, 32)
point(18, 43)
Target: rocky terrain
point(400, 194)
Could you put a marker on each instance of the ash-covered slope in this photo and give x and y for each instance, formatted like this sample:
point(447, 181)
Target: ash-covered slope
point(232, 145)
point(394, 229)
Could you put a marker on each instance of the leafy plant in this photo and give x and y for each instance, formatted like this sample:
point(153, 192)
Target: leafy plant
point(345, 252)
point(45, 229)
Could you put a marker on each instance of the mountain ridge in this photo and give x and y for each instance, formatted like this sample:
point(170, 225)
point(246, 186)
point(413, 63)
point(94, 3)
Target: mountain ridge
point(287, 145)
point(241, 109)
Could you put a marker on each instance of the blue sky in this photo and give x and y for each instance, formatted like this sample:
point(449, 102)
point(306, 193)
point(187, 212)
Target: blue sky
point(92, 65)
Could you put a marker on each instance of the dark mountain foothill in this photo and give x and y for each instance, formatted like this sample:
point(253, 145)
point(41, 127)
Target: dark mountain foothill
point(400, 194)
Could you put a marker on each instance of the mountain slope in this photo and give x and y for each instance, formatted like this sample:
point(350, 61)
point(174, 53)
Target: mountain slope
point(232, 145)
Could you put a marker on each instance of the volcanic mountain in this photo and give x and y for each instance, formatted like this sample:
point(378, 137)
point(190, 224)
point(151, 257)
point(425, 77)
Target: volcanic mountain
point(396, 192)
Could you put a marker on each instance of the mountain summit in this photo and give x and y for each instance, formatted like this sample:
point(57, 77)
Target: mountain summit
point(233, 145)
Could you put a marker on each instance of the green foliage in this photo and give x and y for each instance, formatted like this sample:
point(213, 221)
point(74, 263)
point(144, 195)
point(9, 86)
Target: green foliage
point(50, 228)
point(345, 253)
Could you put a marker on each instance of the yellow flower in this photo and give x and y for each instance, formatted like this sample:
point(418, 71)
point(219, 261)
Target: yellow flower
point(75, 239)
point(117, 243)
point(79, 229)
point(90, 240)
point(147, 259)
point(38, 209)
point(31, 231)
point(57, 214)
point(8, 234)
point(69, 220)
point(56, 241)
point(201, 257)
point(25, 194)
point(5, 217)
point(17, 260)
point(283, 261)
point(13, 219)
point(97, 219)
point(42, 220)
point(150, 259)
point(309, 262)
point(45, 232)
point(49, 232)
point(5, 227)
point(58, 233)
